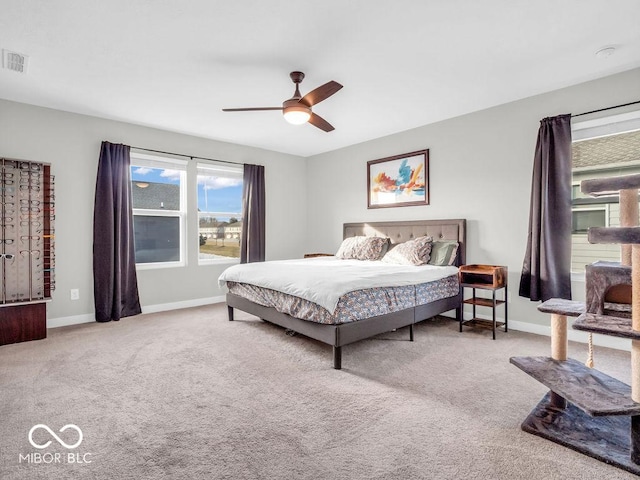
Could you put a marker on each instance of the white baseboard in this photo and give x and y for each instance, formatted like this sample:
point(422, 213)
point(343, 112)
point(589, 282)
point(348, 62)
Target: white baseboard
point(163, 307)
point(73, 320)
point(574, 335)
point(198, 302)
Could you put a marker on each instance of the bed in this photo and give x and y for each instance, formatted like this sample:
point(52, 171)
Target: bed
point(242, 295)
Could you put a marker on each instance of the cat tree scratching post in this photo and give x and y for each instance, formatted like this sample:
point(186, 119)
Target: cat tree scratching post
point(601, 415)
point(559, 347)
point(635, 323)
point(559, 341)
point(630, 255)
point(628, 218)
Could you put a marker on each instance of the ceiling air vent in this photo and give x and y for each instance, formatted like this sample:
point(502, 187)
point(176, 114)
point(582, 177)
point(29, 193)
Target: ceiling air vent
point(14, 61)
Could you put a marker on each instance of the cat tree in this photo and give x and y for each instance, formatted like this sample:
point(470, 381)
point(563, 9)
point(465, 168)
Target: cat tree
point(587, 410)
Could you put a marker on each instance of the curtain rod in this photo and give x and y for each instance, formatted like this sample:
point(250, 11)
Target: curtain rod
point(604, 109)
point(187, 156)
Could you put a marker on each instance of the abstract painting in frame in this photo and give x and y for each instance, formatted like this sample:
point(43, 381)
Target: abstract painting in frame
point(398, 181)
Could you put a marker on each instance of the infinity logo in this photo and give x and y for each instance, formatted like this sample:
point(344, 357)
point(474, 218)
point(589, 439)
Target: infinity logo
point(70, 447)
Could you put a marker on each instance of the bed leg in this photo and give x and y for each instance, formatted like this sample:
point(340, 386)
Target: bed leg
point(459, 316)
point(337, 358)
point(230, 312)
point(411, 332)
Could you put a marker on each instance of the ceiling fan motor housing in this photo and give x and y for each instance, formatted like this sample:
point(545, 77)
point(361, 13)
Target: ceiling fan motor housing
point(296, 77)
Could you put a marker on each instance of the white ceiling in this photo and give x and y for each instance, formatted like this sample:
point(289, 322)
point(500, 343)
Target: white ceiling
point(174, 64)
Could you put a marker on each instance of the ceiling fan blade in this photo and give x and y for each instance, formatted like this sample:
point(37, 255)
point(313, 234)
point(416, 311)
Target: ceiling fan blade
point(250, 109)
point(321, 93)
point(321, 123)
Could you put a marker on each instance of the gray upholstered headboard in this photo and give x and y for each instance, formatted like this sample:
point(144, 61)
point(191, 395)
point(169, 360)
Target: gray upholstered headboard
point(402, 231)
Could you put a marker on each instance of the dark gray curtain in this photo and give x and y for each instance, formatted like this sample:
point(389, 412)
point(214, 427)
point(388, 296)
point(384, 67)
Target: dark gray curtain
point(546, 272)
point(115, 285)
point(252, 246)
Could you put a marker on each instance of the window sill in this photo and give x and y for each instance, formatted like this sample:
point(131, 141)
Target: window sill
point(577, 277)
point(155, 266)
point(218, 261)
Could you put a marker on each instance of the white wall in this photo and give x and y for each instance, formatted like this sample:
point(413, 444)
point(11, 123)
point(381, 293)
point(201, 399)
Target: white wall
point(71, 143)
point(480, 169)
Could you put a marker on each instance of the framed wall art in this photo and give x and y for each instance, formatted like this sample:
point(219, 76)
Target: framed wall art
point(398, 181)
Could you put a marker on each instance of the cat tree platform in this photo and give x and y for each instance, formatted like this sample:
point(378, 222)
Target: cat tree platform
point(597, 419)
point(585, 409)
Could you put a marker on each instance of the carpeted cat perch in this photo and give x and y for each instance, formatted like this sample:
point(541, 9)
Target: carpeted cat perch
point(587, 410)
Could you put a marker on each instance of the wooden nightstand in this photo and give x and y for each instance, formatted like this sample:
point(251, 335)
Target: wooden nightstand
point(313, 255)
point(484, 277)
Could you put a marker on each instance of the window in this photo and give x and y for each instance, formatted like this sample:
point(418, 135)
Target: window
point(583, 218)
point(601, 148)
point(159, 210)
point(219, 212)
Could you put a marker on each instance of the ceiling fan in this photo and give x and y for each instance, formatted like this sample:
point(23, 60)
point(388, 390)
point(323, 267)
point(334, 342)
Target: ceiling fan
point(297, 109)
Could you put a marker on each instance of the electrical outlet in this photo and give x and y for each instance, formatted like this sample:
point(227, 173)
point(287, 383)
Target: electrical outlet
point(75, 294)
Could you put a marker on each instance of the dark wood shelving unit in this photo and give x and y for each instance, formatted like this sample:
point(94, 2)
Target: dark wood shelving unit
point(481, 301)
point(23, 322)
point(484, 277)
point(27, 264)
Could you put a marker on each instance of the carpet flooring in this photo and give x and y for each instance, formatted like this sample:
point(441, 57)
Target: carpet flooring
point(189, 395)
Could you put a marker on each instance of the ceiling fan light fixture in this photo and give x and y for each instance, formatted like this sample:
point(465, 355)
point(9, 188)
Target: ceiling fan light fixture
point(297, 110)
point(297, 115)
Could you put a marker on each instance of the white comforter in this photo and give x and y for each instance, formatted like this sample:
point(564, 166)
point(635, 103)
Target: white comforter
point(323, 280)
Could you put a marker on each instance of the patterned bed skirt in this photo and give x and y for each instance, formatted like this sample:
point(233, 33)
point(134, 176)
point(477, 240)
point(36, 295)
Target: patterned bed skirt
point(353, 306)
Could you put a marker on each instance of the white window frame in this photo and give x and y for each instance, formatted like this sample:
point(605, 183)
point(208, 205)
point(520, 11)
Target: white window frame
point(602, 127)
point(203, 168)
point(154, 161)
